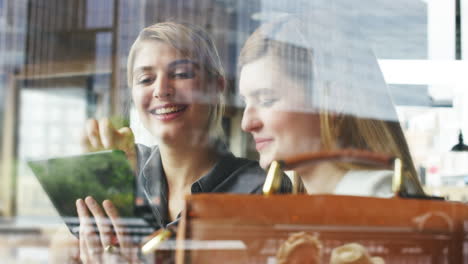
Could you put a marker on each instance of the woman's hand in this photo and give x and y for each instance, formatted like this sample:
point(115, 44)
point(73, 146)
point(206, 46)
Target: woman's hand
point(110, 244)
point(102, 135)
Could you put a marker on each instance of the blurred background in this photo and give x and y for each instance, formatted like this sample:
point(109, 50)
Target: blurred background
point(63, 61)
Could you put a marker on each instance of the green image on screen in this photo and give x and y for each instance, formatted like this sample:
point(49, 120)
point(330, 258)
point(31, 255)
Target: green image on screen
point(102, 175)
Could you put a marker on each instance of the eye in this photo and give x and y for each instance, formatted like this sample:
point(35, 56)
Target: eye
point(183, 74)
point(145, 80)
point(267, 102)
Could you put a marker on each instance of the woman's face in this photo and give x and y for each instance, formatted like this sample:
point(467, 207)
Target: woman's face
point(166, 90)
point(276, 112)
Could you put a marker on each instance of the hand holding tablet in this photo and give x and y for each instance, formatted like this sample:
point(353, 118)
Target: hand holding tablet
point(105, 175)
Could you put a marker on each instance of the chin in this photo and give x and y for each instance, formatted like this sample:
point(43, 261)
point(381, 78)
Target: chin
point(164, 135)
point(171, 138)
point(265, 162)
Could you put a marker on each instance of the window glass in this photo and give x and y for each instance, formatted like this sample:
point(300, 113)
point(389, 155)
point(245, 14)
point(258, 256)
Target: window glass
point(204, 99)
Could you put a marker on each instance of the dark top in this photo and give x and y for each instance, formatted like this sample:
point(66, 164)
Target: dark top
point(230, 174)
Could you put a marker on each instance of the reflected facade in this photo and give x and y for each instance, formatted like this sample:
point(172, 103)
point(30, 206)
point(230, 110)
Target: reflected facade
point(63, 62)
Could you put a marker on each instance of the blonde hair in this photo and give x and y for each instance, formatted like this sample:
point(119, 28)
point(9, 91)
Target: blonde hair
point(194, 43)
point(298, 59)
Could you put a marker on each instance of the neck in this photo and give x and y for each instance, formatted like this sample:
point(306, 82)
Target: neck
point(184, 165)
point(321, 178)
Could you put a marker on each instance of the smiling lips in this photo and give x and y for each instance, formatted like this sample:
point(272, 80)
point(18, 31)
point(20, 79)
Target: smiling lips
point(261, 143)
point(169, 111)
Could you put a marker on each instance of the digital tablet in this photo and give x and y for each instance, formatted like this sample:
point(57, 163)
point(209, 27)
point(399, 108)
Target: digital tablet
point(104, 175)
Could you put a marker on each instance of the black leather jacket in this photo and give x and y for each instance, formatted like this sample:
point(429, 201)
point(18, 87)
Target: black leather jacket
point(229, 175)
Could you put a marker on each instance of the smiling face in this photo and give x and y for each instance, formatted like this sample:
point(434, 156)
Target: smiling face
point(276, 112)
point(167, 89)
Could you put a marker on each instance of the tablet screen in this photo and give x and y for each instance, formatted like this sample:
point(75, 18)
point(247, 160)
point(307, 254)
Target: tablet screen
point(102, 175)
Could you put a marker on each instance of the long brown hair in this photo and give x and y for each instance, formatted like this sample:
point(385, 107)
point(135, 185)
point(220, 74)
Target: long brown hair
point(341, 124)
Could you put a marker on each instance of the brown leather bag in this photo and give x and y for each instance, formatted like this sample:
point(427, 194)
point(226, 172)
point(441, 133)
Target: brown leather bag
point(253, 228)
point(230, 228)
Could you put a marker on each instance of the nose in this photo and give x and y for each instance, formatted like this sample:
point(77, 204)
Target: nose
point(162, 87)
point(250, 120)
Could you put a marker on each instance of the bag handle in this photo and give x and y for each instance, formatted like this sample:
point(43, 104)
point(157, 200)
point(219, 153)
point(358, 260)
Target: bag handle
point(273, 180)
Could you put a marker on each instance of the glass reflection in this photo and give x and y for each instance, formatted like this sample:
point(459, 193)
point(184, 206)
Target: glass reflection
point(309, 86)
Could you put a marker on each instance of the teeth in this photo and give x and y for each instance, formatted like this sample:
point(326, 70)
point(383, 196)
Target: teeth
point(168, 110)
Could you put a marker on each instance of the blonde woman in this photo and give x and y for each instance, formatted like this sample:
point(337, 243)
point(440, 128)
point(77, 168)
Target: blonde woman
point(176, 82)
point(310, 84)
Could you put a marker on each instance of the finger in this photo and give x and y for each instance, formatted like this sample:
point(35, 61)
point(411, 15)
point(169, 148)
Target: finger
point(127, 134)
point(92, 130)
point(128, 251)
point(126, 140)
point(107, 132)
point(84, 141)
point(126, 143)
point(102, 222)
point(89, 241)
point(84, 254)
point(119, 228)
point(82, 239)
